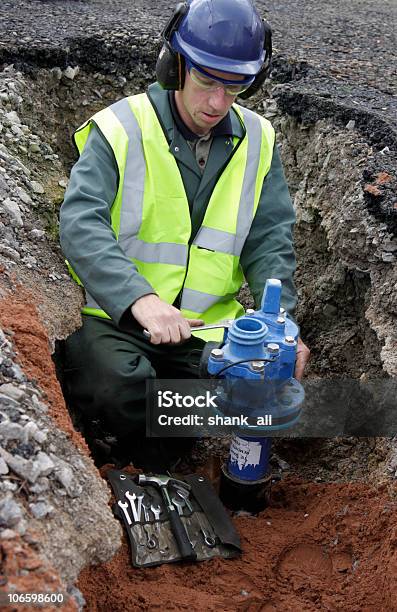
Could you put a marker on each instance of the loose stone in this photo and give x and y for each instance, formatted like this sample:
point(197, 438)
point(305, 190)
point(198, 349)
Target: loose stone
point(10, 512)
point(41, 509)
point(12, 391)
point(37, 187)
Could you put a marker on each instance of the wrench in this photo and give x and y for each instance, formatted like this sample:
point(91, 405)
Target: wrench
point(209, 538)
point(225, 323)
point(184, 494)
point(156, 511)
point(124, 506)
point(179, 505)
point(151, 542)
point(140, 498)
point(131, 499)
point(146, 507)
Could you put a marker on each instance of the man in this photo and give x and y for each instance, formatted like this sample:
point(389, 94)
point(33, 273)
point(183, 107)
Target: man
point(176, 197)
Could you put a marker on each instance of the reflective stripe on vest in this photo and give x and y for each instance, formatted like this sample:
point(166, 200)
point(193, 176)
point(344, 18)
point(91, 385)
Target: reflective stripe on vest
point(151, 218)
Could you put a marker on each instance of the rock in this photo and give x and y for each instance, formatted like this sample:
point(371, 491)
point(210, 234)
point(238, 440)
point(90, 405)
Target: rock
point(12, 118)
point(41, 509)
point(3, 467)
point(283, 465)
point(21, 527)
point(40, 406)
point(16, 131)
point(37, 187)
point(350, 125)
point(64, 474)
point(8, 534)
point(63, 183)
point(12, 391)
point(34, 147)
point(44, 464)
point(57, 72)
point(10, 512)
point(40, 436)
point(40, 486)
point(78, 596)
point(29, 431)
point(9, 252)
point(7, 485)
point(11, 431)
point(28, 469)
point(13, 211)
point(15, 369)
point(26, 199)
point(37, 234)
point(11, 408)
point(70, 73)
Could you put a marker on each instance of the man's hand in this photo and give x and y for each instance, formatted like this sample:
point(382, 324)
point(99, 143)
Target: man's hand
point(302, 357)
point(164, 322)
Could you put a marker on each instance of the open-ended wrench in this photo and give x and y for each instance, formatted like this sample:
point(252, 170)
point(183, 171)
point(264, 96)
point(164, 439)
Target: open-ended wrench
point(131, 499)
point(225, 323)
point(184, 494)
point(146, 507)
point(179, 504)
point(124, 506)
point(156, 512)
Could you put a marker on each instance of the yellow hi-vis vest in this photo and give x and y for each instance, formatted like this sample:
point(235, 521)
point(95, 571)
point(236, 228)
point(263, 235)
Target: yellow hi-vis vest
point(150, 214)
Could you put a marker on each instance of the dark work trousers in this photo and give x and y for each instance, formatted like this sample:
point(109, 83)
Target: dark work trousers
point(105, 373)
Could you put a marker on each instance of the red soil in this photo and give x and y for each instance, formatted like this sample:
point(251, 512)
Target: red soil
point(18, 314)
point(318, 547)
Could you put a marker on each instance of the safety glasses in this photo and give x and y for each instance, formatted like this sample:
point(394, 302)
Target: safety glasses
point(208, 82)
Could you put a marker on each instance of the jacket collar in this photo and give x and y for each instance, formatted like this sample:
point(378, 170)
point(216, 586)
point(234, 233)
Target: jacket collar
point(165, 108)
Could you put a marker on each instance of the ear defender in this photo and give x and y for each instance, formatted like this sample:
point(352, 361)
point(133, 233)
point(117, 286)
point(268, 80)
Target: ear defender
point(170, 66)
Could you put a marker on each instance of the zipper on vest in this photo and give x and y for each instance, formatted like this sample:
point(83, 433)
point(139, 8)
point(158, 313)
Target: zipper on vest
point(178, 299)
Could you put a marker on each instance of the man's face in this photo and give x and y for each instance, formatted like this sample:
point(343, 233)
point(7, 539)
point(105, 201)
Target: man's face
point(201, 109)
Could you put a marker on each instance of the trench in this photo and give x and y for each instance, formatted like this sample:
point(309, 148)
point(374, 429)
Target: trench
point(328, 539)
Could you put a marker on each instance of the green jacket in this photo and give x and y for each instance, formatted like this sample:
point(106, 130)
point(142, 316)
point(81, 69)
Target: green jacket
point(90, 246)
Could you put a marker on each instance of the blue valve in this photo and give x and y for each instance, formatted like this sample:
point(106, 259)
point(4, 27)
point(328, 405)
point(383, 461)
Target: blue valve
point(257, 362)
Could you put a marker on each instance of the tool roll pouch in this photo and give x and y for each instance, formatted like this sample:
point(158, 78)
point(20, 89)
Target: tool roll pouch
point(207, 524)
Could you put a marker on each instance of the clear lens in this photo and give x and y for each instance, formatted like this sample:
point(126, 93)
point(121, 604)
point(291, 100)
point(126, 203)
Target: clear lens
point(213, 84)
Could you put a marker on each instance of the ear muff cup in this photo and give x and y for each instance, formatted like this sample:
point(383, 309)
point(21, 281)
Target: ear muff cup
point(170, 68)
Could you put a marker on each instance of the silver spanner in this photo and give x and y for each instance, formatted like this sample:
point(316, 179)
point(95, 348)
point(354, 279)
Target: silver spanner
point(151, 542)
point(139, 509)
point(156, 511)
point(124, 506)
point(179, 505)
point(225, 323)
point(131, 499)
point(208, 538)
point(184, 494)
point(146, 508)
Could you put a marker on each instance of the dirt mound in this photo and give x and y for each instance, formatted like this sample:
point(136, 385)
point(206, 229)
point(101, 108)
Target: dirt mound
point(328, 547)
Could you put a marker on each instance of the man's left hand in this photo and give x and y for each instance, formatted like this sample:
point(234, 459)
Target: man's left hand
point(302, 357)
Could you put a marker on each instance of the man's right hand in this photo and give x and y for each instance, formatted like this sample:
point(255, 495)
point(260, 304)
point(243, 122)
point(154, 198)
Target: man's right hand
point(164, 322)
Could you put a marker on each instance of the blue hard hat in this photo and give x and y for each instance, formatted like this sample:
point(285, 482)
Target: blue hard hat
point(225, 35)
